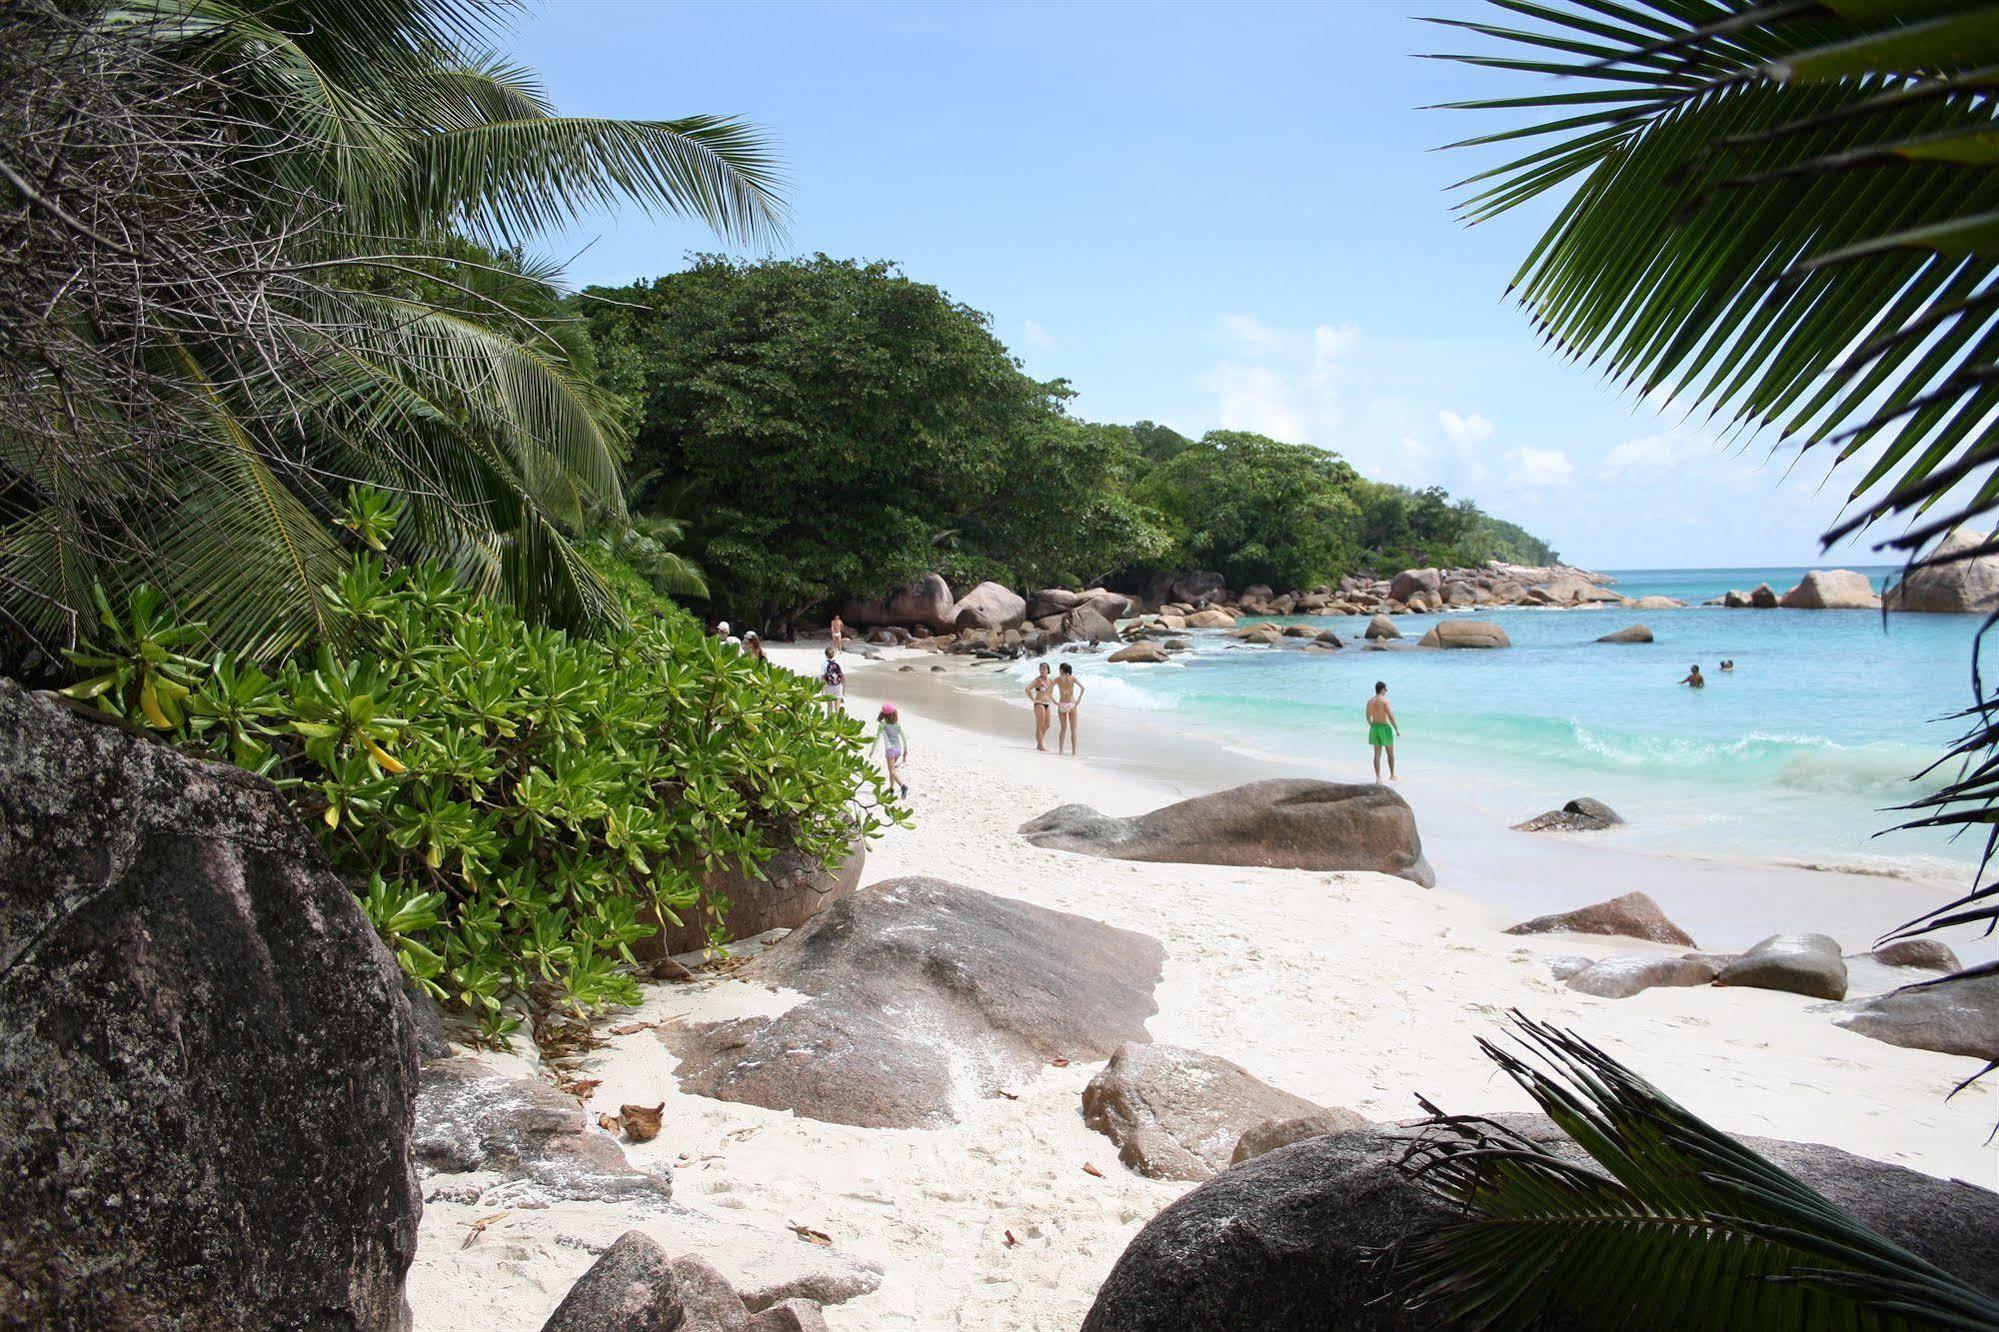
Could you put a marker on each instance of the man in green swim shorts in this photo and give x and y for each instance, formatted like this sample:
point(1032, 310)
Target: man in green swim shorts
point(1382, 728)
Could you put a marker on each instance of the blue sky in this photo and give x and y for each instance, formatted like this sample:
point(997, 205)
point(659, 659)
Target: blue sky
point(1207, 215)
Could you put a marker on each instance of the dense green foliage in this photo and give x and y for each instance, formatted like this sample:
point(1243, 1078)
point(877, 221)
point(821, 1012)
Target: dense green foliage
point(822, 428)
point(825, 426)
point(511, 797)
point(242, 274)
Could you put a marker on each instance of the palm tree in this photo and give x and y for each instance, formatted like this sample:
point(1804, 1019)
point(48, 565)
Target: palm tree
point(1785, 215)
point(356, 160)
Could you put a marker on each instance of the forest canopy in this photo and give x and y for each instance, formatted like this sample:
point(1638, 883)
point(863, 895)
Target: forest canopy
point(819, 427)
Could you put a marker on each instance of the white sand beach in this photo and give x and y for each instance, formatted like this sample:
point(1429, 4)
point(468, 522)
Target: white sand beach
point(1351, 989)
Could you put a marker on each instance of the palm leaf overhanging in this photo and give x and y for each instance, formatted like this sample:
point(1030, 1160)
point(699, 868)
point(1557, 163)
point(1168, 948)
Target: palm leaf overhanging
point(259, 276)
point(1678, 1225)
point(1784, 215)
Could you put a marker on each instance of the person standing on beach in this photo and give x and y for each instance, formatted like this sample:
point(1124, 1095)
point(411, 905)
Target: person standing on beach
point(1382, 728)
point(1068, 697)
point(895, 746)
point(1041, 693)
point(833, 681)
point(839, 631)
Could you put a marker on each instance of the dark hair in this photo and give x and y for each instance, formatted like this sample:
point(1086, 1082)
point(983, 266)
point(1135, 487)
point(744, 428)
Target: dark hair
point(1067, 669)
point(1381, 686)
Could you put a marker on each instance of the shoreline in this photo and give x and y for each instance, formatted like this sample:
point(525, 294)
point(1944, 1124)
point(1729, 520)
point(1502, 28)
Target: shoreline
point(1727, 902)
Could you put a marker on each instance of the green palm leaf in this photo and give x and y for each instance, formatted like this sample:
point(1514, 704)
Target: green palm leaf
point(1679, 1226)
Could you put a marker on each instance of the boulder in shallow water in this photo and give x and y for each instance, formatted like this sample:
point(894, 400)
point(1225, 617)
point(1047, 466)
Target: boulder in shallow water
point(1274, 1133)
point(1283, 823)
point(1962, 587)
point(1807, 964)
point(1622, 977)
point(1957, 1014)
point(1143, 651)
point(1211, 619)
point(922, 995)
point(1178, 1114)
point(1636, 633)
point(209, 1063)
point(1381, 627)
point(1465, 634)
point(1583, 814)
point(1763, 597)
point(1287, 1242)
point(1832, 589)
point(1634, 915)
point(1924, 954)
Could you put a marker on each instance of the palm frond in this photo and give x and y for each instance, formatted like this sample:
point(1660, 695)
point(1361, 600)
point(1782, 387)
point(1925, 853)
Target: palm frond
point(1678, 1226)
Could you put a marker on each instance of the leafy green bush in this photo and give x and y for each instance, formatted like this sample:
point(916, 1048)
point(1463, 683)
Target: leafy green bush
point(512, 798)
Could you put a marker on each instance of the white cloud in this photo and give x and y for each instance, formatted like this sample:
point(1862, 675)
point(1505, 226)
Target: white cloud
point(1541, 467)
point(1647, 454)
point(1329, 343)
point(1034, 336)
point(1258, 398)
point(1465, 431)
point(1281, 382)
point(1250, 330)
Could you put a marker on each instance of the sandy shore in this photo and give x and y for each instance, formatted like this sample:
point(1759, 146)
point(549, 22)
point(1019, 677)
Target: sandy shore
point(1352, 989)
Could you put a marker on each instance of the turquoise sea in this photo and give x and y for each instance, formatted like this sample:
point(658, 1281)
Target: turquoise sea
point(1796, 756)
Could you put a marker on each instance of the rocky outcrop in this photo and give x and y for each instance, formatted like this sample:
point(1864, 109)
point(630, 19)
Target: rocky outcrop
point(1832, 589)
point(1381, 627)
point(921, 996)
point(1288, 1242)
point(1633, 915)
point(534, 1141)
point(1085, 624)
point(1965, 586)
point(1583, 814)
point(1622, 977)
point(632, 1288)
point(1763, 597)
point(1808, 964)
point(1143, 651)
point(1957, 1014)
point(790, 888)
point(1274, 1133)
point(927, 601)
point(1177, 1113)
point(1198, 588)
point(990, 606)
point(1211, 619)
point(1924, 954)
point(210, 1067)
point(1465, 634)
point(1412, 581)
point(1285, 823)
point(1636, 633)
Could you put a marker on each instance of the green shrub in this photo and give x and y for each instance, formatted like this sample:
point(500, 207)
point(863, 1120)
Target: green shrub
point(509, 799)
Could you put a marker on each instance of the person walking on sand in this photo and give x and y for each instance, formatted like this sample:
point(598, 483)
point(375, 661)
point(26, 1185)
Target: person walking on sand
point(895, 746)
point(1041, 693)
point(1694, 679)
point(1382, 728)
point(1068, 697)
point(839, 631)
point(833, 682)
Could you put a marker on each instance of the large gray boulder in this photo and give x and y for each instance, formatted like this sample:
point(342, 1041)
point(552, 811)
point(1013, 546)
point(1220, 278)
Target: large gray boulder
point(785, 892)
point(1807, 964)
point(922, 996)
point(1411, 582)
point(1636, 633)
point(1381, 627)
point(1964, 586)
point(534, 1142)
point(1051, 601)
point(1832, 589)
point(1956, 1014)
point(1283, 822)
point(1085, 624)
point(1465, 634)
point(1288, 1242)
point(1198, 588)
point(1622, 977)
point(927, 601)
point(1922, 954)
point(210, 1067)
point(991, 606)
point(1634, 915)
point(1583, 814)
point(1178, 1114)
point(632, 1288)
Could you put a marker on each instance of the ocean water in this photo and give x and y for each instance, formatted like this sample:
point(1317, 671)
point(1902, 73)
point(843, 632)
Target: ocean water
point(1797, 756)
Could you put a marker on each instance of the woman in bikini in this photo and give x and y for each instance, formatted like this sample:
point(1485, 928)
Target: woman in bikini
point(1041, 692)
point(1068, 697)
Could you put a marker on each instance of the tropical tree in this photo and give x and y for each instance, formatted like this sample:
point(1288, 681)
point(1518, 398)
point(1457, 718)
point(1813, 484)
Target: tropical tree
point(247, 281)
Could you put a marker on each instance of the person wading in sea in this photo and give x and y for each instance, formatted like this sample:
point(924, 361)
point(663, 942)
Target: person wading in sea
point(1694, 678)
point(1382, 728)
point(1041, 692)
point(1068, 697)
